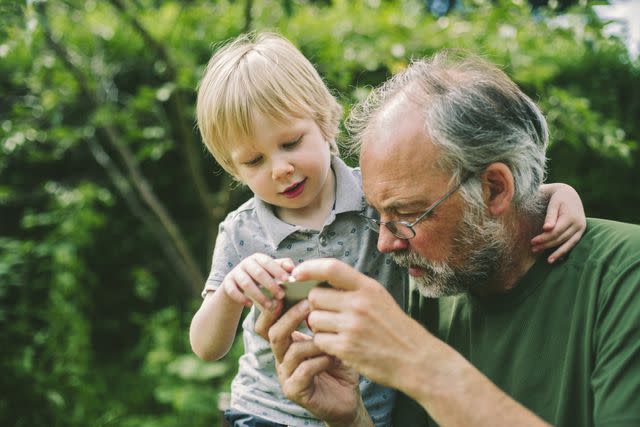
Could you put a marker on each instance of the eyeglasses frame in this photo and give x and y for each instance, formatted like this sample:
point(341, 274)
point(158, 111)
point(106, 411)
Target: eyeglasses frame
point(423, 216)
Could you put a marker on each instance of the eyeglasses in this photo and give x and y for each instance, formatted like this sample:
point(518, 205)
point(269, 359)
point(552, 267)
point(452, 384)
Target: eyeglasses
point(403, 229)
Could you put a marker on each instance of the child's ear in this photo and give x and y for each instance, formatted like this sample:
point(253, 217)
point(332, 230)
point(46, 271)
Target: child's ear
point(497, 188)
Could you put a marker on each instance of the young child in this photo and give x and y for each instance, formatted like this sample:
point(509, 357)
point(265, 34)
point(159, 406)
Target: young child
point(269, 120)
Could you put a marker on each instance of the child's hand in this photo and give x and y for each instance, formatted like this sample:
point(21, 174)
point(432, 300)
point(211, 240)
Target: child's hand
point(258, 270)
point(564, 224)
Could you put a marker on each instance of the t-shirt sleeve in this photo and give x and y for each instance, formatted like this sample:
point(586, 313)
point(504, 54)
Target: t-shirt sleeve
point(225, 256)
point(616, 375)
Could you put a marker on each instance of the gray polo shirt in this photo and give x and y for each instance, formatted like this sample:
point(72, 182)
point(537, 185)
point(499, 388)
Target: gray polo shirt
point(254, 227)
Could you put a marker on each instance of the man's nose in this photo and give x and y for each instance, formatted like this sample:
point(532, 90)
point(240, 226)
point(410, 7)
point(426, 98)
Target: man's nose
point(281, 168)
point(387, 242)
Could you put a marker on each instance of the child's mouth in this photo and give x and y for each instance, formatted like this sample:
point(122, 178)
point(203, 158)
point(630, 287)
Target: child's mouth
point(295, 190)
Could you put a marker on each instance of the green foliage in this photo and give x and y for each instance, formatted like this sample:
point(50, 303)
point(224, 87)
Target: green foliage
point(109, 204)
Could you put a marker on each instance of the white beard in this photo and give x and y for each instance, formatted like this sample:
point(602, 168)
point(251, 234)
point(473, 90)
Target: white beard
point(483, 244)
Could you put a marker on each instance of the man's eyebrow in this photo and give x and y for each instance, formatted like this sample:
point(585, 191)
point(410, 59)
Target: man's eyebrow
point(397, 206)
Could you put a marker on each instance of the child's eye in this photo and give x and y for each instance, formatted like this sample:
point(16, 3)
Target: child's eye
point(253, 162)
point(292, 144)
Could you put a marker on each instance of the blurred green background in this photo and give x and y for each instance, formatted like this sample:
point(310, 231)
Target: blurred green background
point(109, 203)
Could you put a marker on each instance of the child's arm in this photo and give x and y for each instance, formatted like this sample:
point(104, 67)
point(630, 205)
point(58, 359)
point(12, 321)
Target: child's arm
point(565, 221)
point(213, 327)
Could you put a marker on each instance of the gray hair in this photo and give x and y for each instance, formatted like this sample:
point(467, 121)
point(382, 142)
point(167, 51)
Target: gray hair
point(476, 115)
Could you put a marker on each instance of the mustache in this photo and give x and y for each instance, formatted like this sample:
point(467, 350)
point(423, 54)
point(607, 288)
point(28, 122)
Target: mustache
point(408, 259)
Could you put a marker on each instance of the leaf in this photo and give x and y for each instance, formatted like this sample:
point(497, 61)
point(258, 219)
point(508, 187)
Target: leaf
point(189, 367)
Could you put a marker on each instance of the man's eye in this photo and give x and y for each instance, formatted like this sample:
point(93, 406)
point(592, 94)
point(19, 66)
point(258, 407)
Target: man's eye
point(253, 162)
point(292, 144)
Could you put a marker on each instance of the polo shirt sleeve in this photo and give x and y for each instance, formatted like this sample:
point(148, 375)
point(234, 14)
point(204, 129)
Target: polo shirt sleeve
point(225, 254)
point(616, 375)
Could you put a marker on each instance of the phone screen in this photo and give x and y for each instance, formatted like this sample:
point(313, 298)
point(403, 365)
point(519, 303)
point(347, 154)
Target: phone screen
point(295, 292)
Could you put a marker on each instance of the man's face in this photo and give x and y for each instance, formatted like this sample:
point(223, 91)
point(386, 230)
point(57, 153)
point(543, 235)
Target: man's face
point(456, 248)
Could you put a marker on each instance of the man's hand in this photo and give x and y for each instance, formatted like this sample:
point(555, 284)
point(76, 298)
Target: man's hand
point(319, 382)
point(310, 377)
point(359, 323)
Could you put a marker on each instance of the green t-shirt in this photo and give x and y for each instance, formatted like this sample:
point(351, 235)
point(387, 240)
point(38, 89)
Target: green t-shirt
point(565, 342)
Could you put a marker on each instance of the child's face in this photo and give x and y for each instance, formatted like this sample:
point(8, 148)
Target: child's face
point(286, 165)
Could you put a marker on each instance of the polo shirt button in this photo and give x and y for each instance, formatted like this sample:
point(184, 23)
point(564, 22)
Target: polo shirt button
point(323, 240)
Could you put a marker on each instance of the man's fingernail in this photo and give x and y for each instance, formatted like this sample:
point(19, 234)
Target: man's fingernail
point(304, 305)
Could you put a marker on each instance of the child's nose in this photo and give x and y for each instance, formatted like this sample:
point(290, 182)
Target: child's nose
point(281, 169)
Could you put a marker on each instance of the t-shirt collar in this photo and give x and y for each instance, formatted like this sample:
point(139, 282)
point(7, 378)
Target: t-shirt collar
point(349, 198)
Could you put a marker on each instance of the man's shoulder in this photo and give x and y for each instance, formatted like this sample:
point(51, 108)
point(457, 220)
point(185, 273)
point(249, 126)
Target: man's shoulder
point(612, 243)
point(604, 233)
point(608, 224)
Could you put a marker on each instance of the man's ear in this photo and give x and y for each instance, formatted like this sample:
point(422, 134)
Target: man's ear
point(497, 188)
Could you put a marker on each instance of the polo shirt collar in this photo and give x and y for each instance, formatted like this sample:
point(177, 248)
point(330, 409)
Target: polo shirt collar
point(348, 198)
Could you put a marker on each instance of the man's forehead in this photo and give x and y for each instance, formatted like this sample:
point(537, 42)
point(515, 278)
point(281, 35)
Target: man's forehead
point(399, 162)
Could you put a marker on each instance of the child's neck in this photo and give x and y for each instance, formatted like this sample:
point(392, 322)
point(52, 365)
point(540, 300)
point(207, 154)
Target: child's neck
point(314, 215)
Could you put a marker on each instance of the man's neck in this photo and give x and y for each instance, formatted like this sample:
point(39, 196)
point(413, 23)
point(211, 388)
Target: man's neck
point(520, 257)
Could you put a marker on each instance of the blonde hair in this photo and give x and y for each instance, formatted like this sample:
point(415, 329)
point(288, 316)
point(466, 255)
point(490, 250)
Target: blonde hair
point(260, 74)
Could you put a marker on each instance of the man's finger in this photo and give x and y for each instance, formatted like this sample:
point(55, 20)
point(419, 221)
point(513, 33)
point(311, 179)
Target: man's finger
point(338, 274)
point(325, 321)
point(280, 332)
point(297, 353)
point(268, 318)
point(302, 378)
point(298, 336)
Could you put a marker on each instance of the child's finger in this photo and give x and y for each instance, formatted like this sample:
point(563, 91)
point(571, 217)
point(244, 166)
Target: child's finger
point(553, 240)
point(267, 272)
point(560, 228)
point(287, 264)
point(553, 210)
point(249, 288)
point(234, 293)
point(564, 248)
point(278, 273)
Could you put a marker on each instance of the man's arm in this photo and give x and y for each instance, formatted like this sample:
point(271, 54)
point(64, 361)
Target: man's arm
point(359, 323)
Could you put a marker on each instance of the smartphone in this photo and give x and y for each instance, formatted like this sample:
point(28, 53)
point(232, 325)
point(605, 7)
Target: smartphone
point(296, 291)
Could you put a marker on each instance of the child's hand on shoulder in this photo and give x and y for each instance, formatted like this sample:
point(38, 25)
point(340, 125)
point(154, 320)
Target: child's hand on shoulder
point(564, 224)
point(243, 283)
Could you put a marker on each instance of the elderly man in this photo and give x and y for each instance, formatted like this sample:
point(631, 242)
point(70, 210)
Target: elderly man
point(452, 156)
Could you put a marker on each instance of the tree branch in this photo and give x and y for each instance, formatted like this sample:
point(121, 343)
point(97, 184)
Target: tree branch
point(193, 277)
point(126, 192)
point(176, 104)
